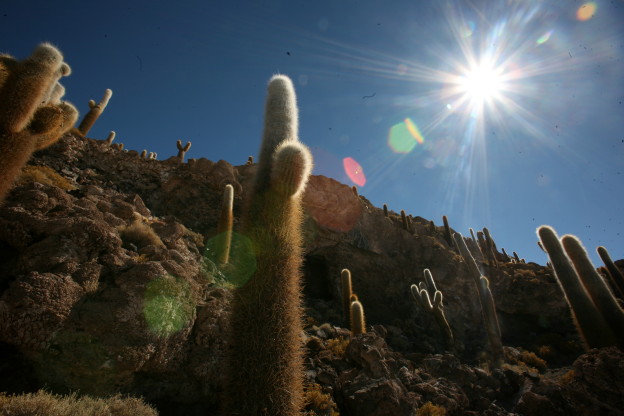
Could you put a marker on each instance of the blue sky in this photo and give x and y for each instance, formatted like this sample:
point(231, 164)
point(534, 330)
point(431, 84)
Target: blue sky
point(499, 114)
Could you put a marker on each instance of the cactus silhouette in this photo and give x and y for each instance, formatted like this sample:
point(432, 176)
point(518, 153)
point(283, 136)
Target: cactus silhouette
point(488, 309)
point(591, 323)
point(182, 150)
point(32, 116)
point(94, 113)
point(423, 295)
point(614, 273)
point(265, 374)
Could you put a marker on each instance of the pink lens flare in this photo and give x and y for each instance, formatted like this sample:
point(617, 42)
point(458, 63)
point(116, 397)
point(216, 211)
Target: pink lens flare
point(354, 171)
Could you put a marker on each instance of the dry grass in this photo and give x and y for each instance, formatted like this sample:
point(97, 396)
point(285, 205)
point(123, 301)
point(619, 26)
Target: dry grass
point(43, 403)
point(45, 175)
point(338, 346)
point(430, 409)
point(140, 234)
point(319, 403)
point(532, 360)
point(568, 377)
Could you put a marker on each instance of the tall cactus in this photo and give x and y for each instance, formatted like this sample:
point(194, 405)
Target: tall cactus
point(94, 113)
point(224, 226)
point(423, 294)
point(266, 361)
point(575, 280)
point(32, 116)
point(488, 309)
point(346, 291)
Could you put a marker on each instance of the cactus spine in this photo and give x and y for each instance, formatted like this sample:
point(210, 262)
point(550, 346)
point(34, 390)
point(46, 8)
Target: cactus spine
point(358, 322)
point(423, 296)
point(488, 309)
point(95, 111)
point(224, 226)
point(590, 322)
point(347, 291)
point(265, 374)
point(182, 150)
point(31, 115)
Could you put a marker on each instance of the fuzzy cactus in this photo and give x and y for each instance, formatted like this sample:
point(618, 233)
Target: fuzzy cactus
point(447, 231)
point(224, 226)
point(94, 113)
point(404, 221)
point(490, 247)
point(266, 359)
point(250, 160)
point(358, 320)
point(182, 150)
point(143, 154)
point(593, 328)
point(32, 116)
point(488, 308)
point(347, 291)
point(111, 137)
point(423, 295)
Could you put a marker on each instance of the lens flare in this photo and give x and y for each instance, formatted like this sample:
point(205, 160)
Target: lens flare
point(586, 11)
point(168, 305)
point(544, 38)
point(242, 259)
point(404, 136)
point(354, 171)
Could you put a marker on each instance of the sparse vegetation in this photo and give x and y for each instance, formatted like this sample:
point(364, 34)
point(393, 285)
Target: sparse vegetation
point(43, 403)
point(44, 175)
point(338, 346)
point(139, 234)
point(319, 403)
point(430, 409)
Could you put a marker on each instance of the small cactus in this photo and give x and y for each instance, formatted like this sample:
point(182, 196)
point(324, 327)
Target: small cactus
point(250, 160)
point(358, 321)
point(404, 221)
point(182, 150)
point(447, 231)
point(110, 138)
point(385, 211)
point(423, 296)
point(143, 154)
point(614, 273)
point(94, 113)
point(355, 191)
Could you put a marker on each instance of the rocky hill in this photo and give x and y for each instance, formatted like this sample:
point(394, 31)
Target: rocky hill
point(108, 285)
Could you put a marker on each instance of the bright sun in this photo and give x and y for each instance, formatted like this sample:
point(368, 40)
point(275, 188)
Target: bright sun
point(482, 83)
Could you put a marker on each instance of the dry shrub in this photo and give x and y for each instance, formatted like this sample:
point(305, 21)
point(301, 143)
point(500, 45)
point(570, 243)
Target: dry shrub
point(568, 377)
point(338, 346)
point(43, 403)
point(140, 234)
point(318, 403)
point(532, 360)
point(44, 175)
point(430, 409)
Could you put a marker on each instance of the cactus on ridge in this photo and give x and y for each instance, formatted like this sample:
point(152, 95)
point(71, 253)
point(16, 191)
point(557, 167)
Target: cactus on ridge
point(614, 273)
point(266, 358)
point(94, 113)
point(32, 116)
point(447, 231)
point(111, 137)
point(182, 150)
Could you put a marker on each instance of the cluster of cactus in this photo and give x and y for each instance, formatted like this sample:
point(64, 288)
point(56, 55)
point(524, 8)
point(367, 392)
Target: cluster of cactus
point(611, 272)
point(32, 115)
point(94, 113)
point(596, 311)
point(488, 308)
point(266, 359)
point(182, 150)
point(423, 293)
point(352, 309)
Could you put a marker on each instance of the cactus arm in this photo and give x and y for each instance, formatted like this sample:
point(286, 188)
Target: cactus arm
point(615, 273)
point(346, 291)
point(224, 226)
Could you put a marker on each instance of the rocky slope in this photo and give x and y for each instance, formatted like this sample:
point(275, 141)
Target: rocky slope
point(107, 285)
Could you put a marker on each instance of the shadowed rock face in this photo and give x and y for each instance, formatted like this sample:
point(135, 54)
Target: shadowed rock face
point(105, 289)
